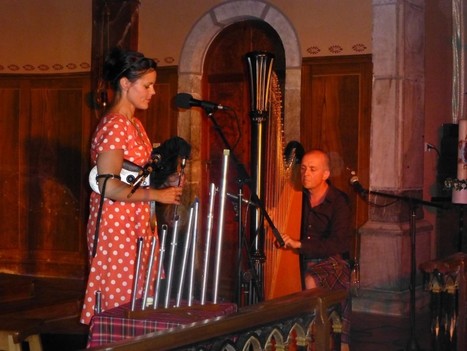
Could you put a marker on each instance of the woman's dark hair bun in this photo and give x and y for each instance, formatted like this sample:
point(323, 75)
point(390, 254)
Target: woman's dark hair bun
point(125, 63)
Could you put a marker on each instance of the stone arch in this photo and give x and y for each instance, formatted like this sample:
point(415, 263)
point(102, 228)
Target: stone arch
point(197, 44)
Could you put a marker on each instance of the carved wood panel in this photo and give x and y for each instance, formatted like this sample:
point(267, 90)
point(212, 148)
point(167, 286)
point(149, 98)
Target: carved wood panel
point(46, 123)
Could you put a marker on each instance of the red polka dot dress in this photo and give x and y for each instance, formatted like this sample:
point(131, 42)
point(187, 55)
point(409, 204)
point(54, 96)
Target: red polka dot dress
point(121, 224)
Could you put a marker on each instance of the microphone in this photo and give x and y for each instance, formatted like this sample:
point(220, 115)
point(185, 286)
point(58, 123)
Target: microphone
point(354, 182)
point(184, 100)
point(248, 202)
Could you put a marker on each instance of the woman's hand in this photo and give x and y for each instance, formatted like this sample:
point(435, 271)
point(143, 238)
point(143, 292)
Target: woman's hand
point(169, 196)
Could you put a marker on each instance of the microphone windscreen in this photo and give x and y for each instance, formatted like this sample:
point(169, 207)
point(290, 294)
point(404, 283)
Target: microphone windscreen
point(183, 100)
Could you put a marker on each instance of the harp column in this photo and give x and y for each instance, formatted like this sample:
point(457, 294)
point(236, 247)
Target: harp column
point(260, 69)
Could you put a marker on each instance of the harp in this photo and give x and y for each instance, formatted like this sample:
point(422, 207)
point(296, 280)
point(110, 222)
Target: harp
point(276, 171)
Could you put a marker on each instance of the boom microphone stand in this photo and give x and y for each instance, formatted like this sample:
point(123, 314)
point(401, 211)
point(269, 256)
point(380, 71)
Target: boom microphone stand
point(413, 203)
point(244, 178)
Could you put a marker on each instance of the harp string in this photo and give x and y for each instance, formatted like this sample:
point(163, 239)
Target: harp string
point(280, 189)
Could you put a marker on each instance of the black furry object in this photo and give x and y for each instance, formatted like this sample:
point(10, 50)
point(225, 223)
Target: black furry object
point(166, 158)
point(294, 152)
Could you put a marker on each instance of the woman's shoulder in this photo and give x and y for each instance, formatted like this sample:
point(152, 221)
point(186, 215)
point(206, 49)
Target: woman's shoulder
point(114, 117)
point(109, 123)
point(112, 120)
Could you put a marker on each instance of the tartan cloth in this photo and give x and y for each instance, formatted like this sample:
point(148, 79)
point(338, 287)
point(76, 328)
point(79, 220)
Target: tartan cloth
point(333, 273)
point(115, 325)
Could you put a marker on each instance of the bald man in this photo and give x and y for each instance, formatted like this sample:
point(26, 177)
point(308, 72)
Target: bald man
point(325, 236)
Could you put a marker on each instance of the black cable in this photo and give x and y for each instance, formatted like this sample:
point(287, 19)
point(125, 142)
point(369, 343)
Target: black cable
point(101, 205)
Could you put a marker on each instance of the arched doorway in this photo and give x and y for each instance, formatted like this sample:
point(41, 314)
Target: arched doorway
point(192, 78)
point(226, 81)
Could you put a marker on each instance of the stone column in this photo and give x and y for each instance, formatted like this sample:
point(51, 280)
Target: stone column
point(396, 159)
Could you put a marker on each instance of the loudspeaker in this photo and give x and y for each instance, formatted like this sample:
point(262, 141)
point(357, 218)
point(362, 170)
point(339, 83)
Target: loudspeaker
point(447, 163)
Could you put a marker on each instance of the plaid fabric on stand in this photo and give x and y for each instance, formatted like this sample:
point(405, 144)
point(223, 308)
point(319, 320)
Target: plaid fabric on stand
point(333, 273)
point(115, 325)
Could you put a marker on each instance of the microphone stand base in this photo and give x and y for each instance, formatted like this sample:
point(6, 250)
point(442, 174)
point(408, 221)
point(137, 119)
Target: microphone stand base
point(412, 345)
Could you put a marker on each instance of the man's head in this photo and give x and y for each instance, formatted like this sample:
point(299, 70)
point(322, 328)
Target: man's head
point(315, 170)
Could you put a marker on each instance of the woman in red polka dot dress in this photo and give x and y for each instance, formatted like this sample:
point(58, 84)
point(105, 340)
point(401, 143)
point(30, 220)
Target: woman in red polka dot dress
point(118, 137)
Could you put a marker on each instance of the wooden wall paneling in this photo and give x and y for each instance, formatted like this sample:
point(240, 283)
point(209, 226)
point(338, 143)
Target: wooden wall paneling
point(54, 160)
point(50, 222)
point(336, 107)
point(9, 170)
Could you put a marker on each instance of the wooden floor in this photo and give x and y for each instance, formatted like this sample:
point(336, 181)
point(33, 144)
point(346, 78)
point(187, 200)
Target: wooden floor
point(370, 332)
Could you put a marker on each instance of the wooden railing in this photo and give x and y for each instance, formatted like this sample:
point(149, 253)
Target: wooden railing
point(308, 319)
point(446, 280)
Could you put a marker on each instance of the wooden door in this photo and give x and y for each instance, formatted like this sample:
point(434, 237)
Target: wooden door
point(226, 82)
point(336, 108)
